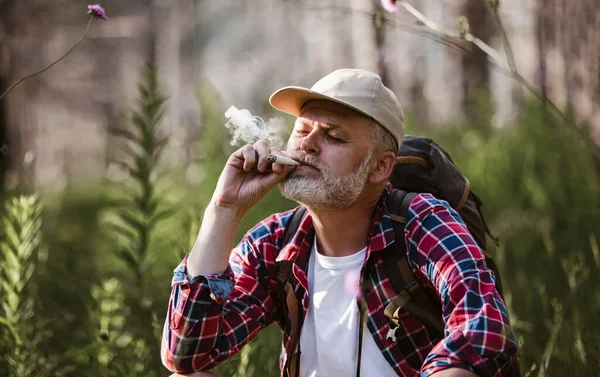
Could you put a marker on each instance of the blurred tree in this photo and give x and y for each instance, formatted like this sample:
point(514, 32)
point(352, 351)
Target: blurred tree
point(569, 68)
point(5, 11)
point(475, 67)
point(380, 31)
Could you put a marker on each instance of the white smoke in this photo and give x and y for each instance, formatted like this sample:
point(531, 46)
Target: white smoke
point(249, 129)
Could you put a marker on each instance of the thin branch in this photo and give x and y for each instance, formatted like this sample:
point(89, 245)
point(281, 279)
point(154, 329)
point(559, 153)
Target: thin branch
point(401, 25)
point(439, 38)
point(505, 41)
point(498, 60)
point(453, 34)
point(431, 31)
point(87, 29)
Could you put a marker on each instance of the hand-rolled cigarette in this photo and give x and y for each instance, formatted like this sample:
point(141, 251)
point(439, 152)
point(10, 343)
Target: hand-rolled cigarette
point(281, 160)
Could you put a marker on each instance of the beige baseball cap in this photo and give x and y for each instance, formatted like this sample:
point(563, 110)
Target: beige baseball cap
point(357, 89)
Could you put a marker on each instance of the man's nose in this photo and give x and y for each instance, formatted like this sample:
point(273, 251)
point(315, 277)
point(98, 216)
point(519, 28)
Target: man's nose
point(309, 143)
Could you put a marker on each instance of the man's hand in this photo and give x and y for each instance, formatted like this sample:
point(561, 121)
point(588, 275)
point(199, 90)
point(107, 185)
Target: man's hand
point(194, 374)
point(248, 177)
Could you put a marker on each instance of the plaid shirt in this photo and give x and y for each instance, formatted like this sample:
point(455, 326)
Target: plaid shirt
point(210, 318)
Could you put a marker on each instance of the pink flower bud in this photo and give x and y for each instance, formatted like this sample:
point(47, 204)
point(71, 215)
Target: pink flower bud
point(390, 5)
point(97, 11)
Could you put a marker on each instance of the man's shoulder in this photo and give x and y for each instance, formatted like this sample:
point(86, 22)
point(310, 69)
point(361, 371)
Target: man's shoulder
point(426, 205)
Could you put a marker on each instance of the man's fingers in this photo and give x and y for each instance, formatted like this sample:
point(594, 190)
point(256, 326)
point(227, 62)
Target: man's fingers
point(262, 150)
point(249, 156)
point(243, 183)
point(254, 157)
point(195, 374)
point(277, 168)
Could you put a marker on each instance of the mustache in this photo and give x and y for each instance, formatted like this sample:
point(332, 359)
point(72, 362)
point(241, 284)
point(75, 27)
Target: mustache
point(309, 160)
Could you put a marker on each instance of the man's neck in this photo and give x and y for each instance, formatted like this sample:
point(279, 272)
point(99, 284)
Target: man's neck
point(344, 232)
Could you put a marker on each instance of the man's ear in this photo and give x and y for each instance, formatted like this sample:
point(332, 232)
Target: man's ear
point(383, 167)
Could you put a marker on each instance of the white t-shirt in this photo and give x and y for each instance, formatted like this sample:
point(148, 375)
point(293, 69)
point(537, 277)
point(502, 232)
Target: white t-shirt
point(329, 336)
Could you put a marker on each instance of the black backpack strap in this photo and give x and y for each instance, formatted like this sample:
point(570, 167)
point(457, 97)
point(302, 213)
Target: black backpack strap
point(290, 306)
point(293, 226)
point(411, 295)
point(286, 296)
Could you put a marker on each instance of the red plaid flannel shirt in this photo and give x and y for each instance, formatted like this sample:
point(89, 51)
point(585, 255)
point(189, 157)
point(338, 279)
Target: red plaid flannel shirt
point(210, 318)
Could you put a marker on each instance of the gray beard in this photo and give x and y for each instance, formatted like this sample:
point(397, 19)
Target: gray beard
point(327, 192)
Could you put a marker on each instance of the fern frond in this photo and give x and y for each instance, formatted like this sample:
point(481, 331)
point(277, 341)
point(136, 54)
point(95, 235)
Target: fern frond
point(133, 224)
point(19, 244)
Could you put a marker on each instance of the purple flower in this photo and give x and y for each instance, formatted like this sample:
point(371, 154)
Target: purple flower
point(390, 5)
point(97, 11)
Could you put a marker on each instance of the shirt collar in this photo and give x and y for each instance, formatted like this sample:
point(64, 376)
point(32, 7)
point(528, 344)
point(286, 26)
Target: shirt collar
point(381, 236)
point(382, 231)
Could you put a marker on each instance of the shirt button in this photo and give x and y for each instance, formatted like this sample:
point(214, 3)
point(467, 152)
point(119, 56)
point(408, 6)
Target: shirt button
point(212, 295)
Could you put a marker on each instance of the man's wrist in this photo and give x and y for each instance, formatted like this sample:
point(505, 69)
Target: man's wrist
point(222, 210)
point(211, 251)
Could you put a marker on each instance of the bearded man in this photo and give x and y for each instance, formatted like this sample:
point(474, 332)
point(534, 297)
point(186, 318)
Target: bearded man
point(348, 129)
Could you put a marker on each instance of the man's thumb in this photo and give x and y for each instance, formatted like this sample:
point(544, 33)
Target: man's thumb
point(275, 178)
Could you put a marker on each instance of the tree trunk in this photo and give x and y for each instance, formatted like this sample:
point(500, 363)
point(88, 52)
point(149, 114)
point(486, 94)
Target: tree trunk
point(475, 68)
point(5, 67)
point(380, 45)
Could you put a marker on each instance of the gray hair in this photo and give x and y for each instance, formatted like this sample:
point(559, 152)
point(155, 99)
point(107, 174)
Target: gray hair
point(383, 141)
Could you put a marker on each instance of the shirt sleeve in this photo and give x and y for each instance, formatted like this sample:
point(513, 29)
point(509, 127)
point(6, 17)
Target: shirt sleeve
point(211, 317)
point(447, 259)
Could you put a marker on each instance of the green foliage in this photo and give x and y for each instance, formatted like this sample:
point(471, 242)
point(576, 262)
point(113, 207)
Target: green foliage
point(140, 211)
point(73, 259)
point(119, 352)
point(19, 246)
point(141, 208)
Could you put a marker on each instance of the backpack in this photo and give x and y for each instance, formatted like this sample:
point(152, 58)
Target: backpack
point(422, 166)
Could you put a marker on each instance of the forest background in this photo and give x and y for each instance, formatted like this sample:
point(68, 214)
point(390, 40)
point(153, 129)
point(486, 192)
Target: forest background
point(108, 159)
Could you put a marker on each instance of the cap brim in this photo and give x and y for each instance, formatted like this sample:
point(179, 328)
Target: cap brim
point(291, 99)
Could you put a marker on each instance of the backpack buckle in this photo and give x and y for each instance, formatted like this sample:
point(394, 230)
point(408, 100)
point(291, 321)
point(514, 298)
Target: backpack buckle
point(391, 334)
